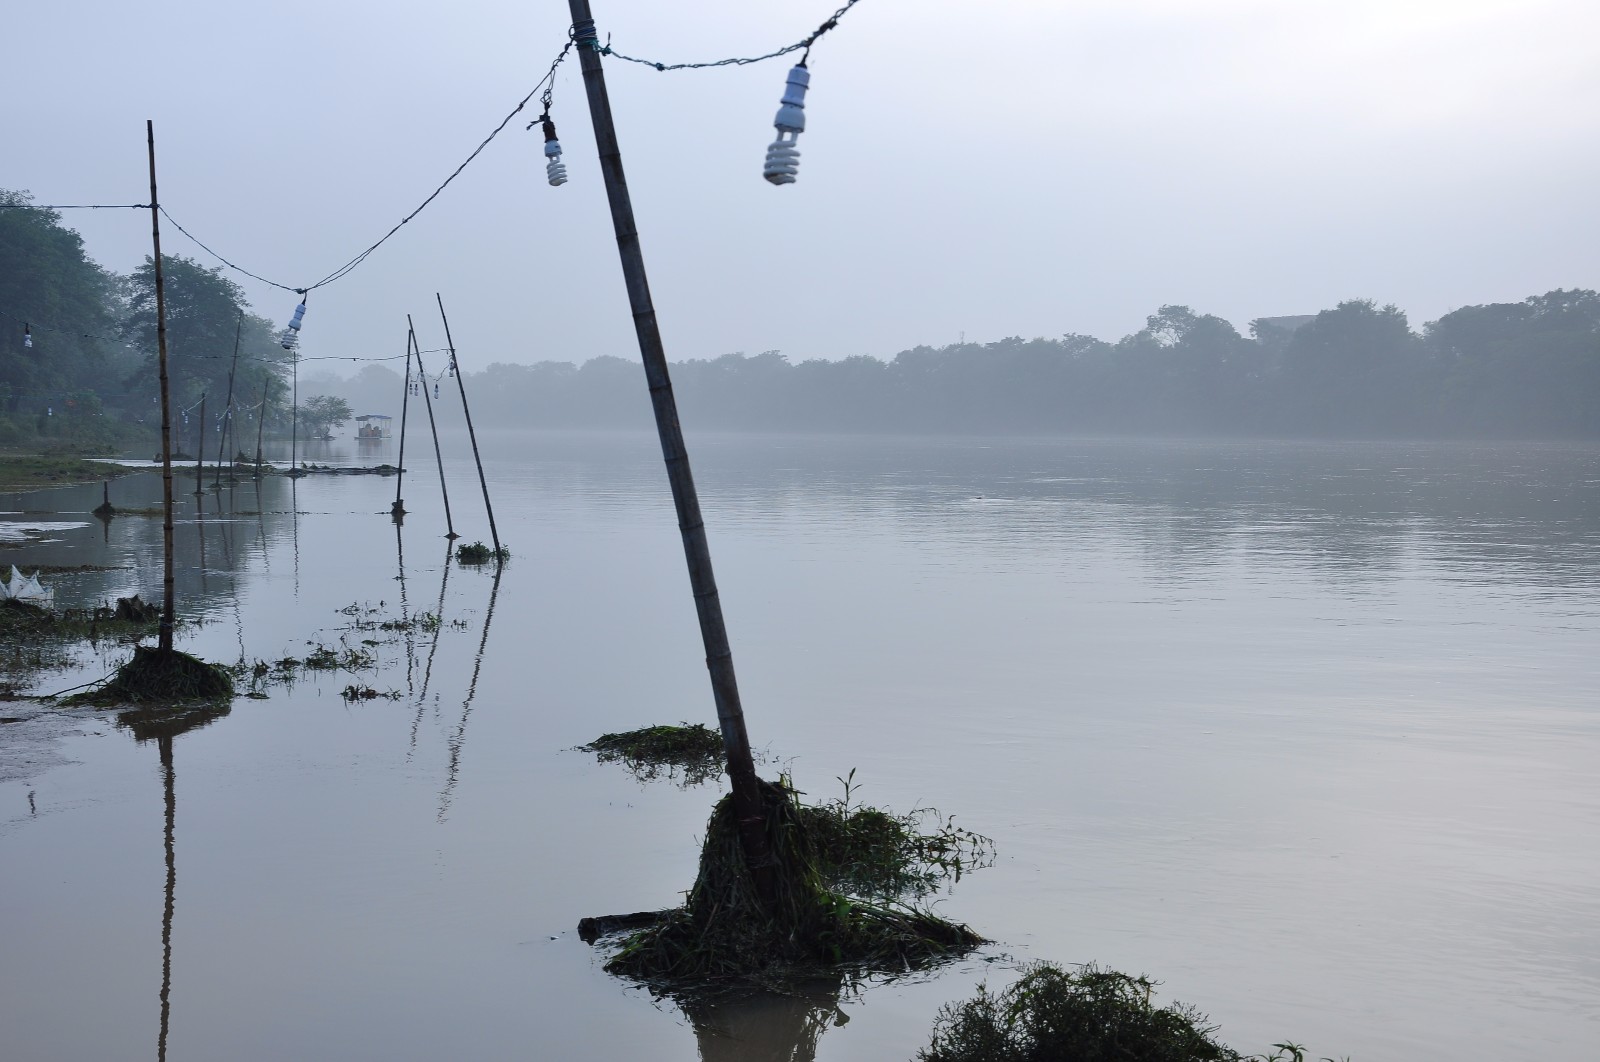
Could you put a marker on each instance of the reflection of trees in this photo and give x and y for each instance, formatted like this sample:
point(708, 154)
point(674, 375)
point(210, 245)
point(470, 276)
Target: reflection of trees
point(767, 1025)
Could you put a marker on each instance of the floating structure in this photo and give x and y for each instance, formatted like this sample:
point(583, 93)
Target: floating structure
point(374, 426)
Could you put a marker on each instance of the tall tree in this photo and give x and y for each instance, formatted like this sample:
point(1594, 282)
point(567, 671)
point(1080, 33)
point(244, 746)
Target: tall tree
point(203, 311)
point(48, 283)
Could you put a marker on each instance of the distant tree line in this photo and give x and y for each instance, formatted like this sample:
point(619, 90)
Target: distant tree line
point(1528, 369)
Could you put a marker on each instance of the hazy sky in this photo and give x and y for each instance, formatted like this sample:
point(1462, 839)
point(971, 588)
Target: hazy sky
point(1010, 167)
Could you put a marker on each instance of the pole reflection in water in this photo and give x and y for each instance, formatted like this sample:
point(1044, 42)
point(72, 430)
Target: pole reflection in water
point(163, 725)
point(766, 1025)
point(169, 784)
point(453, 772)
point(405, 614)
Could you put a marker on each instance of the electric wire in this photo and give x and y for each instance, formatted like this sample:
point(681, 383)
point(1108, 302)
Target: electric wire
point(350, 265)
point(806, 43)
point(74, 206)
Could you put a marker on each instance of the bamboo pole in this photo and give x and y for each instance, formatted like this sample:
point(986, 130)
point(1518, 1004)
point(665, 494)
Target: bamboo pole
point(398, 510)
point(460, 383)
point(294, 415)
point(261, 422)
point(168, 597)
point(227, 415)
point(697, 552)
point(427, 400)
point(200, 447)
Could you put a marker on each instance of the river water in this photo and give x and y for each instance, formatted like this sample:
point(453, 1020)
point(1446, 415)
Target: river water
point(1309, 732)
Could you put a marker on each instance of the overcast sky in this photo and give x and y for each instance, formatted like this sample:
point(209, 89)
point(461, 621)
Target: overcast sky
point(1009, 167)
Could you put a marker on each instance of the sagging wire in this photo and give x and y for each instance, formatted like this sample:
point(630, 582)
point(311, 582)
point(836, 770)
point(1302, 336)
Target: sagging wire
point(74, 206)
point(806, 43)
point(345, 269)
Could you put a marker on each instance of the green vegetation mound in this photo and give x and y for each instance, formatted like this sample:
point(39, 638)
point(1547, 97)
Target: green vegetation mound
point(725, 932)
point(168, 677)
point(1093, 1015)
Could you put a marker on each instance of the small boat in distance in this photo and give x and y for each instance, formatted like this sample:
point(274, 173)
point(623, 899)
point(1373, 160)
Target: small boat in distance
point(374, 426)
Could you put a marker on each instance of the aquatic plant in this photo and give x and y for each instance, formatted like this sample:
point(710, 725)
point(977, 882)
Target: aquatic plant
point(689, 753)
point(868, 851)
point(1093, 1015)
point(478, 553)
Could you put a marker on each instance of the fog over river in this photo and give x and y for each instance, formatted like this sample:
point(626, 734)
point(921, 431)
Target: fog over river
point(1309, 732)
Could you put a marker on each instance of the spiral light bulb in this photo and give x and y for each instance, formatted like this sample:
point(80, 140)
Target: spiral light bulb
point(291, 335)
point(555, 170)
point(27, 337)
point(783, 156)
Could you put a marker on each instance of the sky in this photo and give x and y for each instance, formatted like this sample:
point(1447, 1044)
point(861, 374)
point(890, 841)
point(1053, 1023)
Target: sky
point(969, 170)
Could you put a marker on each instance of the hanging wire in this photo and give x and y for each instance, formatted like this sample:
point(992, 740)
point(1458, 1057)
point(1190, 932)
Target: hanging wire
point(345, 269)
point(832, 21)
point(218, 357)
point(224, 261)
point(74, 206)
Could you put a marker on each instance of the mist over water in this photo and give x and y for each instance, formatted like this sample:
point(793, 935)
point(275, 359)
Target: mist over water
point(1307, 731)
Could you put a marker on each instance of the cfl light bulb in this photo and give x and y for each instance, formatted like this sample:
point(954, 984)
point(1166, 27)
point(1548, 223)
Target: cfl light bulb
point(783, 156)
point(27, 337)
point(291, 335)
point(555, 170)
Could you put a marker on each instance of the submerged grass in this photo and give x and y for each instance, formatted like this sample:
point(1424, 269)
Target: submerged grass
point(1093, 1015)
point(34, 640)
point(478, 553)
point(725, 933)
point(689, 753)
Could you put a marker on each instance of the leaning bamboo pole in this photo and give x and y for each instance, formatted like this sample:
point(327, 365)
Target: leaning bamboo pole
point(697, 552)
point(168, 597)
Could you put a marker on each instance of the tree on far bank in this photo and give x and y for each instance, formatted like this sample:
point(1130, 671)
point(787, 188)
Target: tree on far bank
point(322, 413)
point(204, 308)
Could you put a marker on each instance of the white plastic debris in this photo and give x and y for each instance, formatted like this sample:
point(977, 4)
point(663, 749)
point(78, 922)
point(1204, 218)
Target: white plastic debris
point(26, 589)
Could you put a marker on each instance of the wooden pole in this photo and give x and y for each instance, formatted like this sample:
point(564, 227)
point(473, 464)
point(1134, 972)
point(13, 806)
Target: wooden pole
point(227, 416)
point(168, 597)
point(399, 508)
point(427, 400)
point(484, 483)
point(748, 807)
point(261, 422)
point(200, 447)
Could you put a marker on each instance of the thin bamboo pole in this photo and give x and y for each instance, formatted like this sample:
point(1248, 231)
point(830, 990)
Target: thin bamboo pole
point(697, 552)
point(460, 383)
point(168, 597)
point(200, 447)
point(427, 400)
point(398, 510)
point(227, 416)
point(261, 422)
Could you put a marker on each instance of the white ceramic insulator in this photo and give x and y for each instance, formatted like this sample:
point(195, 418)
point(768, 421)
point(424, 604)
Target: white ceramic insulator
point(783, 162)
point(291, 339)
point(556, 171)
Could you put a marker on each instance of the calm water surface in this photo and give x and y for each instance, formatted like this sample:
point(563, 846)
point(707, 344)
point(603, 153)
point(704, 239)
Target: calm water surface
point(1309, 732)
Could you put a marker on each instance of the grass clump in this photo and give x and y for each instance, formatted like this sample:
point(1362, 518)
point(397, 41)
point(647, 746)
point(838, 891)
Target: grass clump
point(689, 752)
point(725, 933)
point(868, 851)
point(1093, 1015)
point(158, 677)
point(478, 553)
